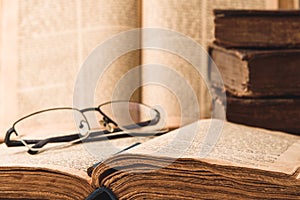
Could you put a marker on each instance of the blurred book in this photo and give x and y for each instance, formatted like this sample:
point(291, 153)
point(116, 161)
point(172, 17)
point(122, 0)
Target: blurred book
point(43, 45)
point(257, 28)
point(258, 73)
point(272, 113)
point(261, 79)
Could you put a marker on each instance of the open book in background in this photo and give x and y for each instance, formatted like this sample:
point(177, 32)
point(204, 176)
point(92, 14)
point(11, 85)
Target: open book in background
point(245, 163)
point(44, 43)
point(194, 19)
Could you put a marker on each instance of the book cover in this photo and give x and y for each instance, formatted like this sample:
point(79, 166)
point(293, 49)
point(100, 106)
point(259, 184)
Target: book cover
point(257, 28)
point(255, 73)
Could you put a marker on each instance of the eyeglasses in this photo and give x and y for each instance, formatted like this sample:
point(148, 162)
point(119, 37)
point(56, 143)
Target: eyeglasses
point(63, 126)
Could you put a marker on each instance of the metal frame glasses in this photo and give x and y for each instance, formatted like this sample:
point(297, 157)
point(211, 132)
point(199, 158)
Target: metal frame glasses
point(85, 133)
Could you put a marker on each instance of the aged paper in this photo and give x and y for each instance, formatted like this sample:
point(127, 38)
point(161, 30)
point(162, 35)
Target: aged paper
point(77, 156)
point(195, 20)
point(185, 18)
point(236, 145)
point(43, 45)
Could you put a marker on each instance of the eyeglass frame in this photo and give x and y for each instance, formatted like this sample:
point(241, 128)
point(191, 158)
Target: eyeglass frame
point(75, 137)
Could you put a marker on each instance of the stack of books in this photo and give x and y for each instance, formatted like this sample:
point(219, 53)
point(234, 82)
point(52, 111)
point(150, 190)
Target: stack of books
point(258, 56)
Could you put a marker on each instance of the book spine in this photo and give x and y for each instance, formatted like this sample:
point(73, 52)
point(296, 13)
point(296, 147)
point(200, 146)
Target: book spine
point(270, 113)
point(102, 193)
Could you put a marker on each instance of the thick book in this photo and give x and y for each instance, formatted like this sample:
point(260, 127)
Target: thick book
point(271, 113)
point(257, 73)
point(242, 163)
point(257, 28)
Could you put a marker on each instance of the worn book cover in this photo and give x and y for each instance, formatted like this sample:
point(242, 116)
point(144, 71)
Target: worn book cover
point(271, 113)
point(257, 73)
point(257, 28)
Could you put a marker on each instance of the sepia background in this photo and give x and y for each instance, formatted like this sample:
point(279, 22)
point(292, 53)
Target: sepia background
point(43, 43)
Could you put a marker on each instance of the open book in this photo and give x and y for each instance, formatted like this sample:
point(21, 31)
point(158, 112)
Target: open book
point(244, 163)
point(55, 37)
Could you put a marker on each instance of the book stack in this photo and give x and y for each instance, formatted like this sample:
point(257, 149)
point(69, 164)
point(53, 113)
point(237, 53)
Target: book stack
point(258, 56)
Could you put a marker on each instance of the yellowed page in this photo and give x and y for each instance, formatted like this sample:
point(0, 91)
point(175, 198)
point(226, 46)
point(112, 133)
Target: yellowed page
point(236, 145)
point(102, 20)
point(61, 169)
point(183, 17)
point(8, 75)
point(195, 20)
point(43, 45)
point(76, 157)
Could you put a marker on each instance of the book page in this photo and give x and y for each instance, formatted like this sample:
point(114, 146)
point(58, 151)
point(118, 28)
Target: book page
point(194, 19)
point(237, 145)
point(43, 45)
point(73, 159)
point(183, 17)
point(102, 20)
point(63, 170)
point(76, 157)
point(8, 80)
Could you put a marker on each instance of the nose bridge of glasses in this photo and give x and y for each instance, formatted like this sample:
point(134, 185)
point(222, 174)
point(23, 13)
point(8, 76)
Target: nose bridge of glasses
point(108, 124)
point(105, 117)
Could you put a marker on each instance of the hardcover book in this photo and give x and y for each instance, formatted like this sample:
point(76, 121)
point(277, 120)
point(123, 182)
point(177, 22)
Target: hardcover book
point(243, 163)
point(272, 113)
point(257, 28)
point(258, 73)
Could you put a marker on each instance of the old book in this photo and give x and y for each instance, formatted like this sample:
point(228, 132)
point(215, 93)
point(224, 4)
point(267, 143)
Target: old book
point(289, 4)
point(257, 73)
point(54, 174)
point(241, 163)
point(257, 28)
point(271, 113)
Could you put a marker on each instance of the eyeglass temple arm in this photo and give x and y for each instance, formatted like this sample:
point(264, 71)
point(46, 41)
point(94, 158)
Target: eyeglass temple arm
point(41, 143)
point(66, 138)
point(145, 123)
point(11, 143)
point(37, 143)
point(72, 137)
